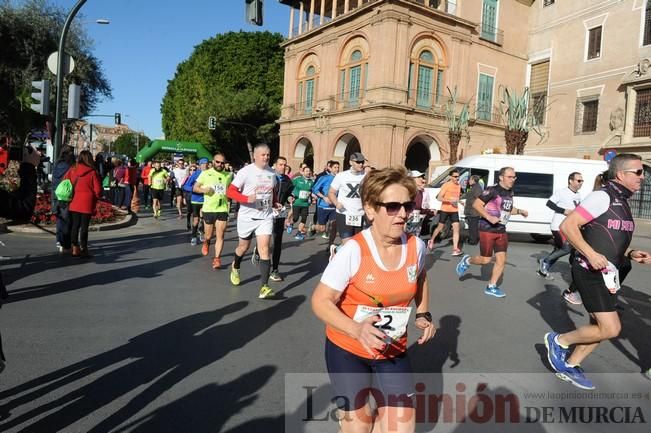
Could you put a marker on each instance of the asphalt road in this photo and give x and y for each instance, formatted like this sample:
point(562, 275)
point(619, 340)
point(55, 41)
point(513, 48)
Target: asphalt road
point(146, 337)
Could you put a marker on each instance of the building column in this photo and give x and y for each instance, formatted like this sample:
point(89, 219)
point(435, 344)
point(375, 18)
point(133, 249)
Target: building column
point(311, 16)
point(322, 12)
point(292, 12)
point(301, 18)
point(334, 9)
point(346, 6)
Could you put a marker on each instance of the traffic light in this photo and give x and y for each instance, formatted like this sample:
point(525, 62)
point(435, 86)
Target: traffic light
point(42, 96)
point(74, 97)
point(118, 119)
point(254, 12)
point(212, 123)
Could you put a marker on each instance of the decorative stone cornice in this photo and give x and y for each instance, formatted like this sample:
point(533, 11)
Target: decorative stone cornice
point(641, 73)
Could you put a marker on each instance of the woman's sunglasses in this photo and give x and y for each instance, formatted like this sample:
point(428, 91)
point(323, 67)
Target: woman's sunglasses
point(393, 207)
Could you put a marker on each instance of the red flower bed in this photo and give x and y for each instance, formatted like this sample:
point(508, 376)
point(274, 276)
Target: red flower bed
point(43, 211)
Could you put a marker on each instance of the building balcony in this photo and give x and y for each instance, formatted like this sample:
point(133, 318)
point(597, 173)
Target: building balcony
point(313, 14)
point(490, 33)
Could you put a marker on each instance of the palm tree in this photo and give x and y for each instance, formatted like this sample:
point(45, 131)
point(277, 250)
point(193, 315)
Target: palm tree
point(520, 116)
point(457, 124)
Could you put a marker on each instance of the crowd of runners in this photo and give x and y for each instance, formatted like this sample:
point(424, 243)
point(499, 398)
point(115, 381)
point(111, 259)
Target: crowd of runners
point(379, 228)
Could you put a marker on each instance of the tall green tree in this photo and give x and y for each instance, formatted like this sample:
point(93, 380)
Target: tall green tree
point(29, 33)
point(237, 77)
point(129, 143)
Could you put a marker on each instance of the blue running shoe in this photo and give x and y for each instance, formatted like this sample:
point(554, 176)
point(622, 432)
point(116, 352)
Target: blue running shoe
point(494, 291)
point(299, 236)
point(556, 355)
point(576, 377)
point(463, 265)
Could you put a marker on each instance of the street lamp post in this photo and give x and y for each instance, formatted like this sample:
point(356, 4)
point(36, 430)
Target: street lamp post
point(58, 121)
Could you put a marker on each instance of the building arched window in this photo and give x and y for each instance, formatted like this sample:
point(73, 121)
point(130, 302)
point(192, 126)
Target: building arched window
point(352, 79)
point(425, 79)
point(307, 90)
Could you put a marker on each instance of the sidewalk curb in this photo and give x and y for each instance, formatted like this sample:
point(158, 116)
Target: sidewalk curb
point(129, 220)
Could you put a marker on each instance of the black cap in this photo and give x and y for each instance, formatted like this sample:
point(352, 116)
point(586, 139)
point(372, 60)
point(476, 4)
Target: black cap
point(357, 157)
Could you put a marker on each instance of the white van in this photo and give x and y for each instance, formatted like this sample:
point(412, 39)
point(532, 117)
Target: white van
point(538, 178)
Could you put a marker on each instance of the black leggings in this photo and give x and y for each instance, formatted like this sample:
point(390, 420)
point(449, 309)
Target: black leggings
point(79, 232)
point(279, 229)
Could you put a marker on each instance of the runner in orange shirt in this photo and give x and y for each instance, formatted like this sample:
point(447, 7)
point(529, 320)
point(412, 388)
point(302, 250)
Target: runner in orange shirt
point(364, 298)
point(449, 196)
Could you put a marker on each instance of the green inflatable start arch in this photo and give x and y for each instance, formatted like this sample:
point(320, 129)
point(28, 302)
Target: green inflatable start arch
point(171, 146)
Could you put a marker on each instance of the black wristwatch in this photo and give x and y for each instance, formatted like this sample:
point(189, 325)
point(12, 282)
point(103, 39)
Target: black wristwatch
point(427, 316)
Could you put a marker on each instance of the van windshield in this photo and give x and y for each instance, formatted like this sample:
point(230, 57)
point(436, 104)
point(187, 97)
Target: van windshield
point(464, 175)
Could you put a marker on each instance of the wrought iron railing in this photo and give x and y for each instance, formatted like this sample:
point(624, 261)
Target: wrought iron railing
point(490, 33)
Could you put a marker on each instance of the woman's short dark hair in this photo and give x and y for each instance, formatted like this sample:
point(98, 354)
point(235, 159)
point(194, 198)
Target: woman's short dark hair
point(67, 154)
point(378, 180)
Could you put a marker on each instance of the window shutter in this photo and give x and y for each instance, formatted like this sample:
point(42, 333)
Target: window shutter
point(539, 78)
point(485, 97)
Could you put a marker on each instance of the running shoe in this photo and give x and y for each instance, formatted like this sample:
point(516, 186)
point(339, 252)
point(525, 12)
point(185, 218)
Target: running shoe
point(576, 377)
point(204, 248)
point(275, 276)
point(193, 241)
point(158, 213)
point(494, 291)
point(647, 374)
point(572, 297)
point(255, 257)
point(235, 276)
point(333, 252)
point(543, 270)
point(216, 263)
point(290, 229)
point(556, 355)
point(325, 236)
point(457, 252)
point(463, 265)
point(266, 292)
point(299, 236)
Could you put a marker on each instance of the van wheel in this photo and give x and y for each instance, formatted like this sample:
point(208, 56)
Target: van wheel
point(542, 239)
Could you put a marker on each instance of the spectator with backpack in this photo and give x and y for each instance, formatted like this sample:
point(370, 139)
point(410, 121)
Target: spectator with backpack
point(87, 189)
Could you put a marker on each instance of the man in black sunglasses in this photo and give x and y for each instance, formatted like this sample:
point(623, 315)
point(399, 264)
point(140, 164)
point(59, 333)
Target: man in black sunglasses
point(562, 202)
point(600, 230)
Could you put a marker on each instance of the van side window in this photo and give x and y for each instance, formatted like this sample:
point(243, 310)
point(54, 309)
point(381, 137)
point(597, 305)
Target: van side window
point(532, 185)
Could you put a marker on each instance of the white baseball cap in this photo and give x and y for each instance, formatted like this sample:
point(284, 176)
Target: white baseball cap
point(416, 173)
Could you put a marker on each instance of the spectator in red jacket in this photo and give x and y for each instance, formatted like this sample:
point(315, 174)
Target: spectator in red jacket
point(87, 190)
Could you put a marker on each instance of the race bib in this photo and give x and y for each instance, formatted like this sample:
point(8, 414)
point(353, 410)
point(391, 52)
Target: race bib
point(303, 195)
point(354, 220)
point(504, 216)
point(219, 189)
point(394, 319)
point(159, 182)
point(413, 224)
point(610, 275)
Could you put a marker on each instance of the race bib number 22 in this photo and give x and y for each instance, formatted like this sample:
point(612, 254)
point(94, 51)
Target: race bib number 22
point(393, 321)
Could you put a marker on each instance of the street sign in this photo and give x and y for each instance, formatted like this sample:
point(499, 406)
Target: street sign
point(609, 154)
point(68, 63)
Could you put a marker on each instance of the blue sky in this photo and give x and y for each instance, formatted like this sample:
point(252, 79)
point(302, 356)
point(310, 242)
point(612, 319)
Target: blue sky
point(146, 40)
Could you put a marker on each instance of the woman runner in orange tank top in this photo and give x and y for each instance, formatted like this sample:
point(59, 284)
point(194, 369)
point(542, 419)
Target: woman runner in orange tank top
point(365, 297)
